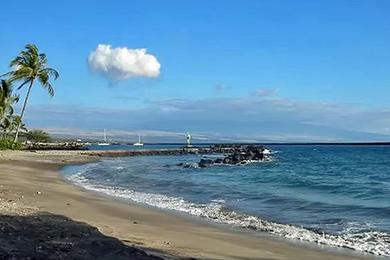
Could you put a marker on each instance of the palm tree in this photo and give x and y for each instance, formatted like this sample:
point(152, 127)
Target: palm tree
point(7, 100)
point(11, 124)
point(30, 66)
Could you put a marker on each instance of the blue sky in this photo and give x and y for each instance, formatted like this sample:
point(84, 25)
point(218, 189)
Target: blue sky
point(282, 70)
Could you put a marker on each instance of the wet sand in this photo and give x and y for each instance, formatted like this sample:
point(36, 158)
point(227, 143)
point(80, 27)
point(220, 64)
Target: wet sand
point(30, 184)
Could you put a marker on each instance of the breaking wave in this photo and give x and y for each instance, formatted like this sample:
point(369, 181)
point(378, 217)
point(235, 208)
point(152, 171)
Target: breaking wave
point(374, 242)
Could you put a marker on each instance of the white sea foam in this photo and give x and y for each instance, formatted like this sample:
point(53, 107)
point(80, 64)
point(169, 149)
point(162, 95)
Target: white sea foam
point(373, 242)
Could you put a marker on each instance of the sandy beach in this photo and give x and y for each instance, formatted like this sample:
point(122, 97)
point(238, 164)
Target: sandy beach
point(30, 185)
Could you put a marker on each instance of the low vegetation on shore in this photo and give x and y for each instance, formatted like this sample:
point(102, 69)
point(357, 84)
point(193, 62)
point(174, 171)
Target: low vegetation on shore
point(29, 67)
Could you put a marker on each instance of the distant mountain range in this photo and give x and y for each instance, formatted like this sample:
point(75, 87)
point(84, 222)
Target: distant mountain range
point(317, 134)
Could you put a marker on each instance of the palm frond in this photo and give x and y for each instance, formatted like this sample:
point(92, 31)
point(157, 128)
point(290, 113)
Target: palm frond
point(32, 48)
point(21, 73)
point(5, 88)
point(42, 60)
point(6, 74)
point(51, 72)
point(49, 88)
point(19, 61)
point(24, 83)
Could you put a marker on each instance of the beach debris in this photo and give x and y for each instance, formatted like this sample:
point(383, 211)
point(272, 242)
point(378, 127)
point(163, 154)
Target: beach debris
point(39, 193)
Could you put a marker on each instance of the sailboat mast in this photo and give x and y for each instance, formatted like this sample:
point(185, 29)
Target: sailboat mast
point(105, 136)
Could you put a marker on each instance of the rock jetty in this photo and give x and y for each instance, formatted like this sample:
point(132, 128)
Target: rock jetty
point(236, 154)
point(55, 146)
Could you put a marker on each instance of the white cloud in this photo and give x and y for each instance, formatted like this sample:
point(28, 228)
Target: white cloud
point(221, 88)
point(266, 92)
point(122, 63)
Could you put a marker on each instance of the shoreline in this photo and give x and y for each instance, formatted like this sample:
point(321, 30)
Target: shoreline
point(24, 174)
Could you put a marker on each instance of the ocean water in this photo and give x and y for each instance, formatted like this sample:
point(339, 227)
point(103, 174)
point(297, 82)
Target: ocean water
point(332, 195)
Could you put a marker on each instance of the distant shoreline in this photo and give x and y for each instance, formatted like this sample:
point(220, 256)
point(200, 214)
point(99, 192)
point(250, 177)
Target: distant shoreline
point(341, 143)
point(270, 143)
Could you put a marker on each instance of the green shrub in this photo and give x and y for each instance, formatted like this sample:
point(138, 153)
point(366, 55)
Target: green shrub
point(37, 135)
point(7, 144)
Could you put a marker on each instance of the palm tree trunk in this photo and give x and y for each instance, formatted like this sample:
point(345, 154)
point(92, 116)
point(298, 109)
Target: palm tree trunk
point(23, 109)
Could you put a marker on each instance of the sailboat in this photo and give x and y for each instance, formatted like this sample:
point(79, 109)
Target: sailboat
point(139, 143)
point(105, 139)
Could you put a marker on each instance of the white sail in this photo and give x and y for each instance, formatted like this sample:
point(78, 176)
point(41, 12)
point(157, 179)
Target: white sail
point(139, 143)
point(104, 139)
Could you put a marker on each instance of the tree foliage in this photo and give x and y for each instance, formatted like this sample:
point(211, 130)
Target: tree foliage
point(38, 135)
point(8, 120)
point(8, 144)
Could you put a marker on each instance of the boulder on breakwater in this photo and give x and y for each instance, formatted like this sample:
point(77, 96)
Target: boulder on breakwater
point(236, 154)
point(55, 146)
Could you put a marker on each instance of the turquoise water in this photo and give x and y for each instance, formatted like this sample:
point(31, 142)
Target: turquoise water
point(335, 195)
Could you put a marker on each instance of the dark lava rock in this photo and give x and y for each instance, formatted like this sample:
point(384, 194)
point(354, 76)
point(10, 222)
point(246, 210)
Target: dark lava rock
point(55, 146)
point(205, 162)
point(218, 160)
point(234, 155)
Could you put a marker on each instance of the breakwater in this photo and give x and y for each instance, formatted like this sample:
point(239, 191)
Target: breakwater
point(232, 155)
point(68, 146)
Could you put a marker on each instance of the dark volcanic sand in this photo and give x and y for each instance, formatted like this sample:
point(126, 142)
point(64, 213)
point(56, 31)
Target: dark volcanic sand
point(49, 236)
